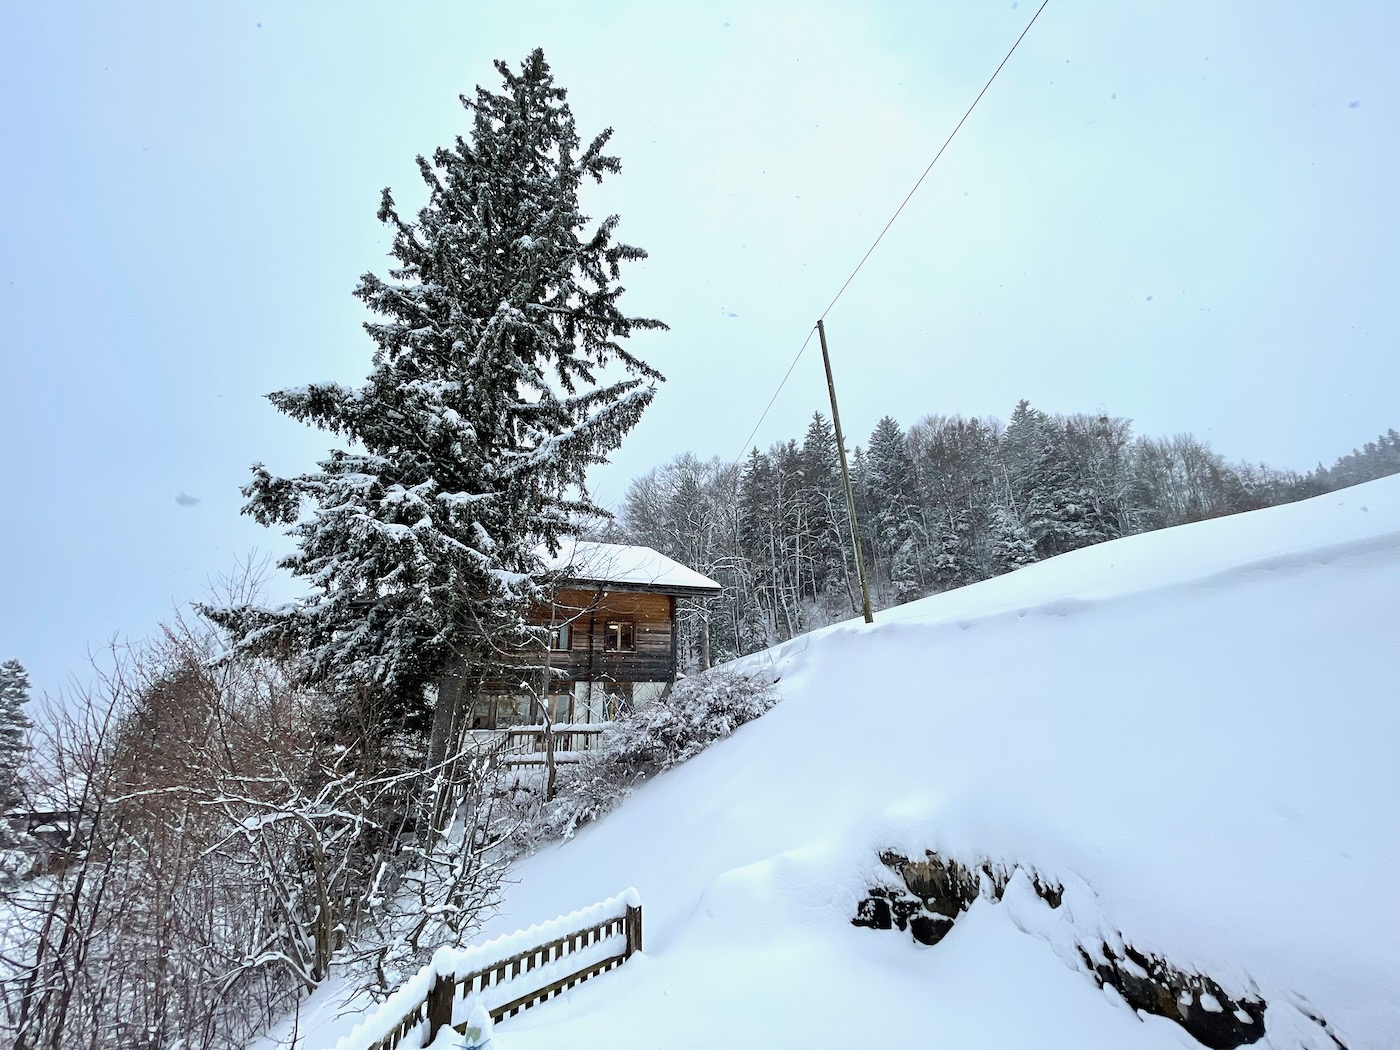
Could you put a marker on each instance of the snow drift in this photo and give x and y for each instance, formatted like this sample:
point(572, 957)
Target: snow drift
point(1193, 732)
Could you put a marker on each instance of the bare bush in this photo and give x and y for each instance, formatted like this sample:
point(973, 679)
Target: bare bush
point(699, 711)
point(229, 848)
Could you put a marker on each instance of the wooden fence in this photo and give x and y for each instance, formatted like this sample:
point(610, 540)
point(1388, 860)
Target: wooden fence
point(552, 961)
point(525, 745)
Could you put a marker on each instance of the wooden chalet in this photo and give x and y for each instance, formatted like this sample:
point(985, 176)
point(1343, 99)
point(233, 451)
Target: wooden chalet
point(612, 641)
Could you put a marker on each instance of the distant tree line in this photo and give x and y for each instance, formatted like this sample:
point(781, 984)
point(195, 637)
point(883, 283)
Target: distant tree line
point(1375, 459)
point(948, 502)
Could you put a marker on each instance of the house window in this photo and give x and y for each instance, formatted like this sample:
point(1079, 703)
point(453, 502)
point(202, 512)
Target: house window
point(620, 636)
point(562, 640)
point(510, 709)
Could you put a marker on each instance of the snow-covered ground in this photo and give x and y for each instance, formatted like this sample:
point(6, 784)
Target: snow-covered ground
point(1196, 731)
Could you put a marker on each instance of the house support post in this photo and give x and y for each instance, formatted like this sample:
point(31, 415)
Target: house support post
point(675, 666)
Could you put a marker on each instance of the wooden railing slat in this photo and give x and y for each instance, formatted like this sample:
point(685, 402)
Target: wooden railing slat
point(436, 1008)
point(563, 984)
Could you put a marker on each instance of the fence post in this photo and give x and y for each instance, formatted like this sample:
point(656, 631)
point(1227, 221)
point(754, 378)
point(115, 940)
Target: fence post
point(440, 1005)
point(633, 928)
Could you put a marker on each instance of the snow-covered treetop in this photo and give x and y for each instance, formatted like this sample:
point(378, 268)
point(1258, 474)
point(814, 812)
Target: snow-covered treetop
point(500, 375)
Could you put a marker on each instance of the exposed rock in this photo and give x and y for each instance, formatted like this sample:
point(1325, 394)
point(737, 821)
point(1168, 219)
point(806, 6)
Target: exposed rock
point(944, 887)
point(937, 890)
point(874, 911)
point(1194, 1001)
point(930, 929)
point(883, 910)
point(1051, 893)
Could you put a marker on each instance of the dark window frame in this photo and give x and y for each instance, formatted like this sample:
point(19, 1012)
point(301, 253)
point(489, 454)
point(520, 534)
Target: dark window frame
point(626, 634)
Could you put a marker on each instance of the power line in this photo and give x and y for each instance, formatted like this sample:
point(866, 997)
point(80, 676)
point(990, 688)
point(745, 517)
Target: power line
point(931, 163)
point(869, 251)
point(802, 349)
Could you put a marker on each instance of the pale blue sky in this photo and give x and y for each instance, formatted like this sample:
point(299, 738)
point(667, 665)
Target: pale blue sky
point(1181, 212)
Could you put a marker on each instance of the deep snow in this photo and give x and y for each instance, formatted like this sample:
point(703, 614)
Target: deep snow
point(1194, 730)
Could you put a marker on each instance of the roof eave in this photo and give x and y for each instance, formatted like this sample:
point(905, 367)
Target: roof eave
point(679, 590)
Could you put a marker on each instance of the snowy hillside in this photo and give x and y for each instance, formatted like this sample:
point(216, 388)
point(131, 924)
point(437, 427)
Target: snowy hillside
point(1193, 732)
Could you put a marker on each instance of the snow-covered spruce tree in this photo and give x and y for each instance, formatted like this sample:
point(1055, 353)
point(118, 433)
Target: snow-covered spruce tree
point(824, 498)
point(900, 539)
point(14, 747)
point(468, 444)
point(14, 725)
point(1012, 546)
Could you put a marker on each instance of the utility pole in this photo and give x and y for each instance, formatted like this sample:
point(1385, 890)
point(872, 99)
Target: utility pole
point(846, 477)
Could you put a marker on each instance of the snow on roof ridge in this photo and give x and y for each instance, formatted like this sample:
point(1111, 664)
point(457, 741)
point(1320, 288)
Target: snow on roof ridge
point(621, 563)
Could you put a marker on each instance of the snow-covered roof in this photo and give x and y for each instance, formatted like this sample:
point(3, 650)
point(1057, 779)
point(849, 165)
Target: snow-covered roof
point(628, 567)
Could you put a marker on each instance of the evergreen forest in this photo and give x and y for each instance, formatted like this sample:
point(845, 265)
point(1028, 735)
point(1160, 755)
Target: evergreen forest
point(947, 502)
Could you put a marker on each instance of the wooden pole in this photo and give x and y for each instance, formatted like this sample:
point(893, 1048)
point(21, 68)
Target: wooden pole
point(440, 998)
point(632, 925)
point(846, 477)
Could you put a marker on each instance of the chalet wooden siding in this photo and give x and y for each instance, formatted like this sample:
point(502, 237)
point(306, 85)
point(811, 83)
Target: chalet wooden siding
point(615, 645)
point(590, 657)
point(652, 657)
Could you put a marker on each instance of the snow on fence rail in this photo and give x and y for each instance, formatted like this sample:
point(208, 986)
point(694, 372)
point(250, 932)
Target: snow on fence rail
point(525, 745)
point(506, 975)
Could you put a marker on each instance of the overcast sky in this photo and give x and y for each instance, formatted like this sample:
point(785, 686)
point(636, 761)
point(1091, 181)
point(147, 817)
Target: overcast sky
point(1182, 212)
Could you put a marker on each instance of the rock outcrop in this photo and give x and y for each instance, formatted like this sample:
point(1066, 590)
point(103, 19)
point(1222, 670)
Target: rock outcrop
point(930, 894)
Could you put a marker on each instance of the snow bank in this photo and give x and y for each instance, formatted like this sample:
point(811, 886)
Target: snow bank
point(1196, 729)
point(1194, 732)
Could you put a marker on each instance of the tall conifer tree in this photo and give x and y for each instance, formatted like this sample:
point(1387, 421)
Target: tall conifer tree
point(824, 500)
point(488, 399)
point(14, 748)
point(900, 540)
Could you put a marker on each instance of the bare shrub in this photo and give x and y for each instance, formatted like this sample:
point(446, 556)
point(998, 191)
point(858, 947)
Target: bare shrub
point(232, 842)
point(698, 711)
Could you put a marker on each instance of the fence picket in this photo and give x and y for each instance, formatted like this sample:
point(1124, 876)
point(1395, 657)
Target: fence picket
point(436, 1008)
